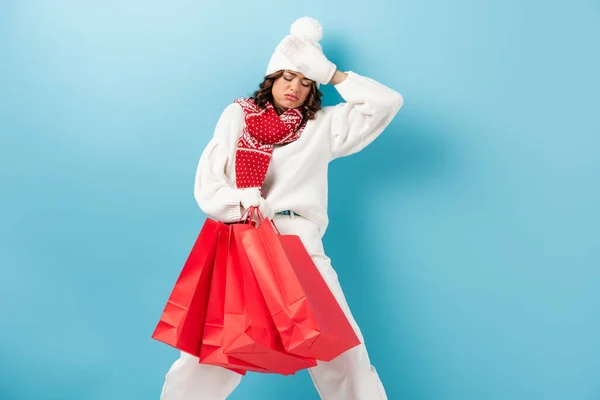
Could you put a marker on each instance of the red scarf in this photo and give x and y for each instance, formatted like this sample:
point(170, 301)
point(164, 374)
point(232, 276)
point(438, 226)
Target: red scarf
point(263, 130)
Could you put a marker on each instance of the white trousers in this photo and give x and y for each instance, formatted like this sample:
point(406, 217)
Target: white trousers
point(350, 376)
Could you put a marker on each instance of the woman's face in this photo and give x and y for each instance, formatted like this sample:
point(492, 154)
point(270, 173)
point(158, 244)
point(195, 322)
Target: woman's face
point(290, 90)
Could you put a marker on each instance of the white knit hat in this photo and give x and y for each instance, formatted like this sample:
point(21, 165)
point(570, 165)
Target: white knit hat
point(306, 28)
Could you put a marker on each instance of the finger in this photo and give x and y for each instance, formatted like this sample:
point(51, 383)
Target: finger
point(291, 47)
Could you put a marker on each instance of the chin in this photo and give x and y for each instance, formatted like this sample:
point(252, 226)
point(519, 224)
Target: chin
point(289, 104)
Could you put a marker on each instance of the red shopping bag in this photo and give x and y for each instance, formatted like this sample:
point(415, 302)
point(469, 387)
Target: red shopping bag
point(249, 331)
point(182, 321)
point(309, 319)
point(211, 351)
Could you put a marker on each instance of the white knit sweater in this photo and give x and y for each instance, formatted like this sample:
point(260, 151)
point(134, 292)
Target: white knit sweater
point(297, 176)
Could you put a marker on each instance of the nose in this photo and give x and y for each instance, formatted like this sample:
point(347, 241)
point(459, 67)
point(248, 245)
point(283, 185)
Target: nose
point(295, 86)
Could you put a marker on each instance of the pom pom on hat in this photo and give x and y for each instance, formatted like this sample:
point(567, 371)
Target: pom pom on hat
point(307, 28)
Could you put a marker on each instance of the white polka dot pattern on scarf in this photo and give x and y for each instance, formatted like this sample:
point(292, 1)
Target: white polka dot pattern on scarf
point(263, 130)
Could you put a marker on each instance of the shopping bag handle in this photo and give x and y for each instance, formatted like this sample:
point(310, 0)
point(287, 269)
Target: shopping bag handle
point(262, 219)
point(247, 216)
point(254, 211)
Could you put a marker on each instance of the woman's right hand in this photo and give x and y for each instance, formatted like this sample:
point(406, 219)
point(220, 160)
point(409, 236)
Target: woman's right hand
point(308, 59)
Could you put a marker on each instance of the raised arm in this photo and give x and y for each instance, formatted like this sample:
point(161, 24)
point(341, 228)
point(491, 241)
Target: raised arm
point(368, 109)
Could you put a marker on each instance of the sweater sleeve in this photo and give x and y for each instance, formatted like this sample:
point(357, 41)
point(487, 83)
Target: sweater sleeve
point(368, 109)
point(213, 190)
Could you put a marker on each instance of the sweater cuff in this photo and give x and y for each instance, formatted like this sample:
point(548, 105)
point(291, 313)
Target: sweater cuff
point(232, 213)
point(342, 86)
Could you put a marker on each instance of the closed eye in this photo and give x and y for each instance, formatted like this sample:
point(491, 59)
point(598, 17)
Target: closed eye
point(291, 77)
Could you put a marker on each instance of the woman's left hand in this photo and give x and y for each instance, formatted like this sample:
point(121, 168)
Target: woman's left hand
point(265, 209)
point(309, 60)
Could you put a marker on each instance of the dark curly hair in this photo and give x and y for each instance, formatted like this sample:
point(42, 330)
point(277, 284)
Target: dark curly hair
point(264, 94)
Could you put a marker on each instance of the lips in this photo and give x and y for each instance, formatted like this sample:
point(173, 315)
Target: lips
point(291, 97)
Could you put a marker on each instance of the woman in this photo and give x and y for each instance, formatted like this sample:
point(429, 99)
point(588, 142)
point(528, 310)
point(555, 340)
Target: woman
point(272, 151)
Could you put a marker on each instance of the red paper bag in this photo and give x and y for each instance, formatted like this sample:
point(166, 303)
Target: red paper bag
point(249, 331)
point(308, 317)
point(211, 351)
point(182, 321)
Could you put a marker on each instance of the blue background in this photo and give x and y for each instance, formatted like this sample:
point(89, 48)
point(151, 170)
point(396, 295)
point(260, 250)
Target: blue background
point(466, 237)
